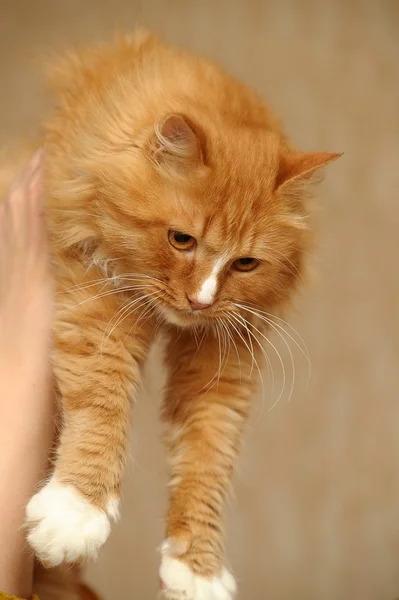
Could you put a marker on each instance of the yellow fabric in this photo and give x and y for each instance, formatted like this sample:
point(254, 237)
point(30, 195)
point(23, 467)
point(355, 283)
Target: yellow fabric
point(4, 596)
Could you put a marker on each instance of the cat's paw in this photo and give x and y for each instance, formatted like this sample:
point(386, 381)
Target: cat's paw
point(179, 582)
point(64, 526)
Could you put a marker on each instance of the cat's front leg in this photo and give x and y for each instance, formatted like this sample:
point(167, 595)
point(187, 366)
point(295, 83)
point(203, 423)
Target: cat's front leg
point(206, 407)
point(69, 518)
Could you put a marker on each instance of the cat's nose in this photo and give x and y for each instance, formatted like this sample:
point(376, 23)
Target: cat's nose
point(195, 305)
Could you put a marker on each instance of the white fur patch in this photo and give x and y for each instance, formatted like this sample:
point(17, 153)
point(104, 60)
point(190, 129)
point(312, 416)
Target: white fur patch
point(180, 583)
point(208, 289)
point(113, 508)
point(64, 526)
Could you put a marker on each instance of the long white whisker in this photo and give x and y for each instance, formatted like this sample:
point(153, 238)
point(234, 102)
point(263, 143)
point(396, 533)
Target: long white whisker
point(265, 354)
point(236, 329)
point(273, 326)
point(226, 343)
point(87, 284)
point(266, 357)
point(110, 280)
point(140, 275)
point(152, 303)
point(201, 339)
point(194, 331)
point(290, 262)
point(250, 343)
point(231, 337)
point(280, 327)
point(148, 310)
point(220, 351)
point(143, 303)
point(304, 350)
point(217, 374)
point(118, 317)
point(126, 305)
point(199, 344)
point(280, 359)
point(101, 295)
point(227, 336)
point(124, 314)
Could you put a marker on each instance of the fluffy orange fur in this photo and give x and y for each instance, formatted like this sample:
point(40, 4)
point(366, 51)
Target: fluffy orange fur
point(145, 141)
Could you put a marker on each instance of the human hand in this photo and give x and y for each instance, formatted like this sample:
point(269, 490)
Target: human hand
point(27, 408)
point(26, 295)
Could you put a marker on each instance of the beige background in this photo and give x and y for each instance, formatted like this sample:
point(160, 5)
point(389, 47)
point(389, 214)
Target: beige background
point(316, 508)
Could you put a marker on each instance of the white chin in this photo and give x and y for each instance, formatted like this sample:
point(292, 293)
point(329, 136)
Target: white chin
point(174, 318)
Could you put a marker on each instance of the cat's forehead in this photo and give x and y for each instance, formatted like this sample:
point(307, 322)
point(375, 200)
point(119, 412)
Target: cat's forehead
point(224, 226)
point(229, 208)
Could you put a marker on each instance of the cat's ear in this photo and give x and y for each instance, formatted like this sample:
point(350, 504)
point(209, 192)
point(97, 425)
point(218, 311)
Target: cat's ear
point(301, 165)
point(176, 147)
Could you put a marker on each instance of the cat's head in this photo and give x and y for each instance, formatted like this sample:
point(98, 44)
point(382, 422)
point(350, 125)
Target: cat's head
point(214, 219)
point(179, 176)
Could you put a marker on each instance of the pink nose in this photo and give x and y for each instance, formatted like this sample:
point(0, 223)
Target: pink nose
point(195, 305)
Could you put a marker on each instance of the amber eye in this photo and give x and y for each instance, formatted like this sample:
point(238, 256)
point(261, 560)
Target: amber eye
point(245, 264)
point(181, 241)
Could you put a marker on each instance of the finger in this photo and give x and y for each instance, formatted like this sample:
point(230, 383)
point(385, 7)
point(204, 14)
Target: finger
point(23, 180)
point(34, 163)
point(2, 219)
point(30, 174)
point(35, 188)
point(24, 189)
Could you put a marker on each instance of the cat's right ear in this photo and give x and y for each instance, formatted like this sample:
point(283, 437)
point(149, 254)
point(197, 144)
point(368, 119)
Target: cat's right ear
point(301, 165)
point(175, 147)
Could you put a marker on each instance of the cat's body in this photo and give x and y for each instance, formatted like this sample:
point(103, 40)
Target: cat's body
point(173, 198)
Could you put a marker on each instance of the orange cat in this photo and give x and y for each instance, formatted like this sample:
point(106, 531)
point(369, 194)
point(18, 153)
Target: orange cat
point(174, 199)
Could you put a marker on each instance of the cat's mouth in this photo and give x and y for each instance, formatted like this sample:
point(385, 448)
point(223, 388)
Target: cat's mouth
point(184, 318)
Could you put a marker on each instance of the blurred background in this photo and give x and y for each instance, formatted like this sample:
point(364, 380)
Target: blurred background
point(315, 514)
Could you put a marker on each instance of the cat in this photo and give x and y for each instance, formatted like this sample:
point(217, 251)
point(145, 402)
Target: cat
point(175, 201)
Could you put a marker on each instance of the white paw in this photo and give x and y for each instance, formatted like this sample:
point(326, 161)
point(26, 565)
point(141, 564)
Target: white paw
point(180, 583)
point(64, 526)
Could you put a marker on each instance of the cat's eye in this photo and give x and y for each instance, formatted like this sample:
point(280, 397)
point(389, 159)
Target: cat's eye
point(245, 264)
point(181, 241)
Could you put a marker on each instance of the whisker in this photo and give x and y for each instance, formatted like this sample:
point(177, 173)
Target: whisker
point(272, 325)
point(199, 343)
point(250, 342)
point(125, 314)
point(280, 359)
point(100, 295)
point(264, 353)
point(88, 284)
point(304, 350)
point(236, 329)
point(271, 315)
point(119, 312)
point(220, 351)
point(231, 337)
point(141, 275)
point(128, 314)
point(194, 331)
point(290, 262)
point(292, 361)
point(217, 374)
point(262, 349)
point(109, 280)
point(149, 302)
point(227, 346)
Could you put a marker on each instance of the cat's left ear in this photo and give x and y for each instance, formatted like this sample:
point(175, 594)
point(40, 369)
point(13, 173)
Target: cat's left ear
point(301, 165)
point(176, 146)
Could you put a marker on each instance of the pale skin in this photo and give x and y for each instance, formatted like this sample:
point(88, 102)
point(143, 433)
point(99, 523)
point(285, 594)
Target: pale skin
point(27, 409)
